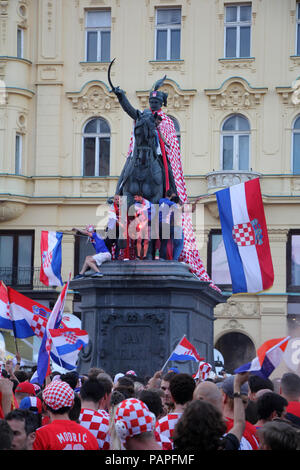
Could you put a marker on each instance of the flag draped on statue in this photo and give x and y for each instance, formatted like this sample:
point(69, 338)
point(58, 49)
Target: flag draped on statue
point(190, 253)
point(50, 273)
point(269, 356)
point(245, 237)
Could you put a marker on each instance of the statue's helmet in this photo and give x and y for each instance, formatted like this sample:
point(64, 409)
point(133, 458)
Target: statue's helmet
point(159, 95)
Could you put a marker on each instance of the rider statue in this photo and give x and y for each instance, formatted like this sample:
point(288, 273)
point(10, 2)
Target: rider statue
point(156, 178)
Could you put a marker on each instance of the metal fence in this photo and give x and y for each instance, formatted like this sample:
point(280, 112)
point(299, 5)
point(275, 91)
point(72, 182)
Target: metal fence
point(23, 278)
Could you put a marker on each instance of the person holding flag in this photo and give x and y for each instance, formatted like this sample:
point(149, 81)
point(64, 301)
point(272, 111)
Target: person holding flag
point(54, 321)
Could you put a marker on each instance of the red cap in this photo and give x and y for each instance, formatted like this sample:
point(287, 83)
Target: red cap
point(25, 387)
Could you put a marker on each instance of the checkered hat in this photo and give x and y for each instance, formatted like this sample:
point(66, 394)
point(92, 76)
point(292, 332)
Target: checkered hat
point(58, 394)
point(133, 417)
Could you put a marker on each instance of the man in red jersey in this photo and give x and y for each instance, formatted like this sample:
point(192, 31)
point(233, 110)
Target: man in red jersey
point(290, 390)
point(249, 439)
point(62, 433)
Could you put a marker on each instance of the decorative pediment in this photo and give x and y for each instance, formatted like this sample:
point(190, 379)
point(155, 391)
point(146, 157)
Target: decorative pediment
point(235, 94)
point(290, 95)
point(94, 97)
point(178, 99)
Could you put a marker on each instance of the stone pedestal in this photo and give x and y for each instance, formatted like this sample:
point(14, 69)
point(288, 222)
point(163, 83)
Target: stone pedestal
point(137, 313)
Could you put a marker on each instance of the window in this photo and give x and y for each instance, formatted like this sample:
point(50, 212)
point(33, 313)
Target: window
point(18, 154)
point(96, 148)
point(20, 43)
point(298, 30)
point(237, 30)
point(168, 32)
point(177, 128)
point(16, 257)
point(235, 143)
point(293, 261)
point(98, 25)
point(296, 147)
point(217, 260)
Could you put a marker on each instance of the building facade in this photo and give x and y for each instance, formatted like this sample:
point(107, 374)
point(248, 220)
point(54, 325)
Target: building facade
point(232, 71)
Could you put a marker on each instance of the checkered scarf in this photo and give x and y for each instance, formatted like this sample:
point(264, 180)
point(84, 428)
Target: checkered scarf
point(189, 254)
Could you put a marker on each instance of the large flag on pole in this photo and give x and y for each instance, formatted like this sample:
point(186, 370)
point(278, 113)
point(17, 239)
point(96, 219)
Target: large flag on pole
point(19, 313)
point(245, 237)
point(50, 273)
point(269, 356)
point(54, 321)
point(67, 343)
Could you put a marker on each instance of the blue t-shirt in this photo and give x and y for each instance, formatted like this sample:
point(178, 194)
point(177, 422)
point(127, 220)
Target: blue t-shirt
point(99, 244)
point(164, 209)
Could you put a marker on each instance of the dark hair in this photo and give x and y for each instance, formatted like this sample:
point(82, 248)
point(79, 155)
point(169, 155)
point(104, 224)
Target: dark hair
point(6, 435)
point(168, 376)
point(125, 381)
point(269, 402)
point(74, 412)
point(21, 375)
point(92, 390)
point(200, 428)
point(169, 193)
point(257, 383)
point(116, 398)
point(31, 420)
point(128, 392)
point(182, 387)
point(70, 378)
point(153, 401)
point(290, 384)
point(278, 435)
point(106, 384)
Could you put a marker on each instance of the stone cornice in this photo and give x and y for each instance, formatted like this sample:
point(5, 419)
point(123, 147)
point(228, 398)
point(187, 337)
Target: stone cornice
point(235, 94)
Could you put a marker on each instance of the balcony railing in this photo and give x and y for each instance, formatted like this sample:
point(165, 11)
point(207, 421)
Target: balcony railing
point(23, 278)
point(225, 178)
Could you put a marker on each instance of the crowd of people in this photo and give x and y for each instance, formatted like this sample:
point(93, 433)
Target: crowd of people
point(170, 411)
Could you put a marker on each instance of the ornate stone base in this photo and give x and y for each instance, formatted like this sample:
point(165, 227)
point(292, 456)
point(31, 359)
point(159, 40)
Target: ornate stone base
point(137, 313)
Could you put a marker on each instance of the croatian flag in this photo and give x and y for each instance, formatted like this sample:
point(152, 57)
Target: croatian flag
point(54, 321)
point(245, 237)
point(21, 314)
point(66, 345)
point(50, 273)
point(184, 351)
point(203, 370)
point(269, 356)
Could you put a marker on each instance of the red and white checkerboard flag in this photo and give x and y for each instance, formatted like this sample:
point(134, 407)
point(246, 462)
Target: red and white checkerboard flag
point(203, 371)
point(66, 345)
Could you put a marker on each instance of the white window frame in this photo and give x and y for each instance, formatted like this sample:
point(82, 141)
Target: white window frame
point(238, 25)
point(98, 30)
point(169, 28)
point(235, 134)
point(21, 44)
point(294, 131)
point(97, 135)
point(19, 156)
